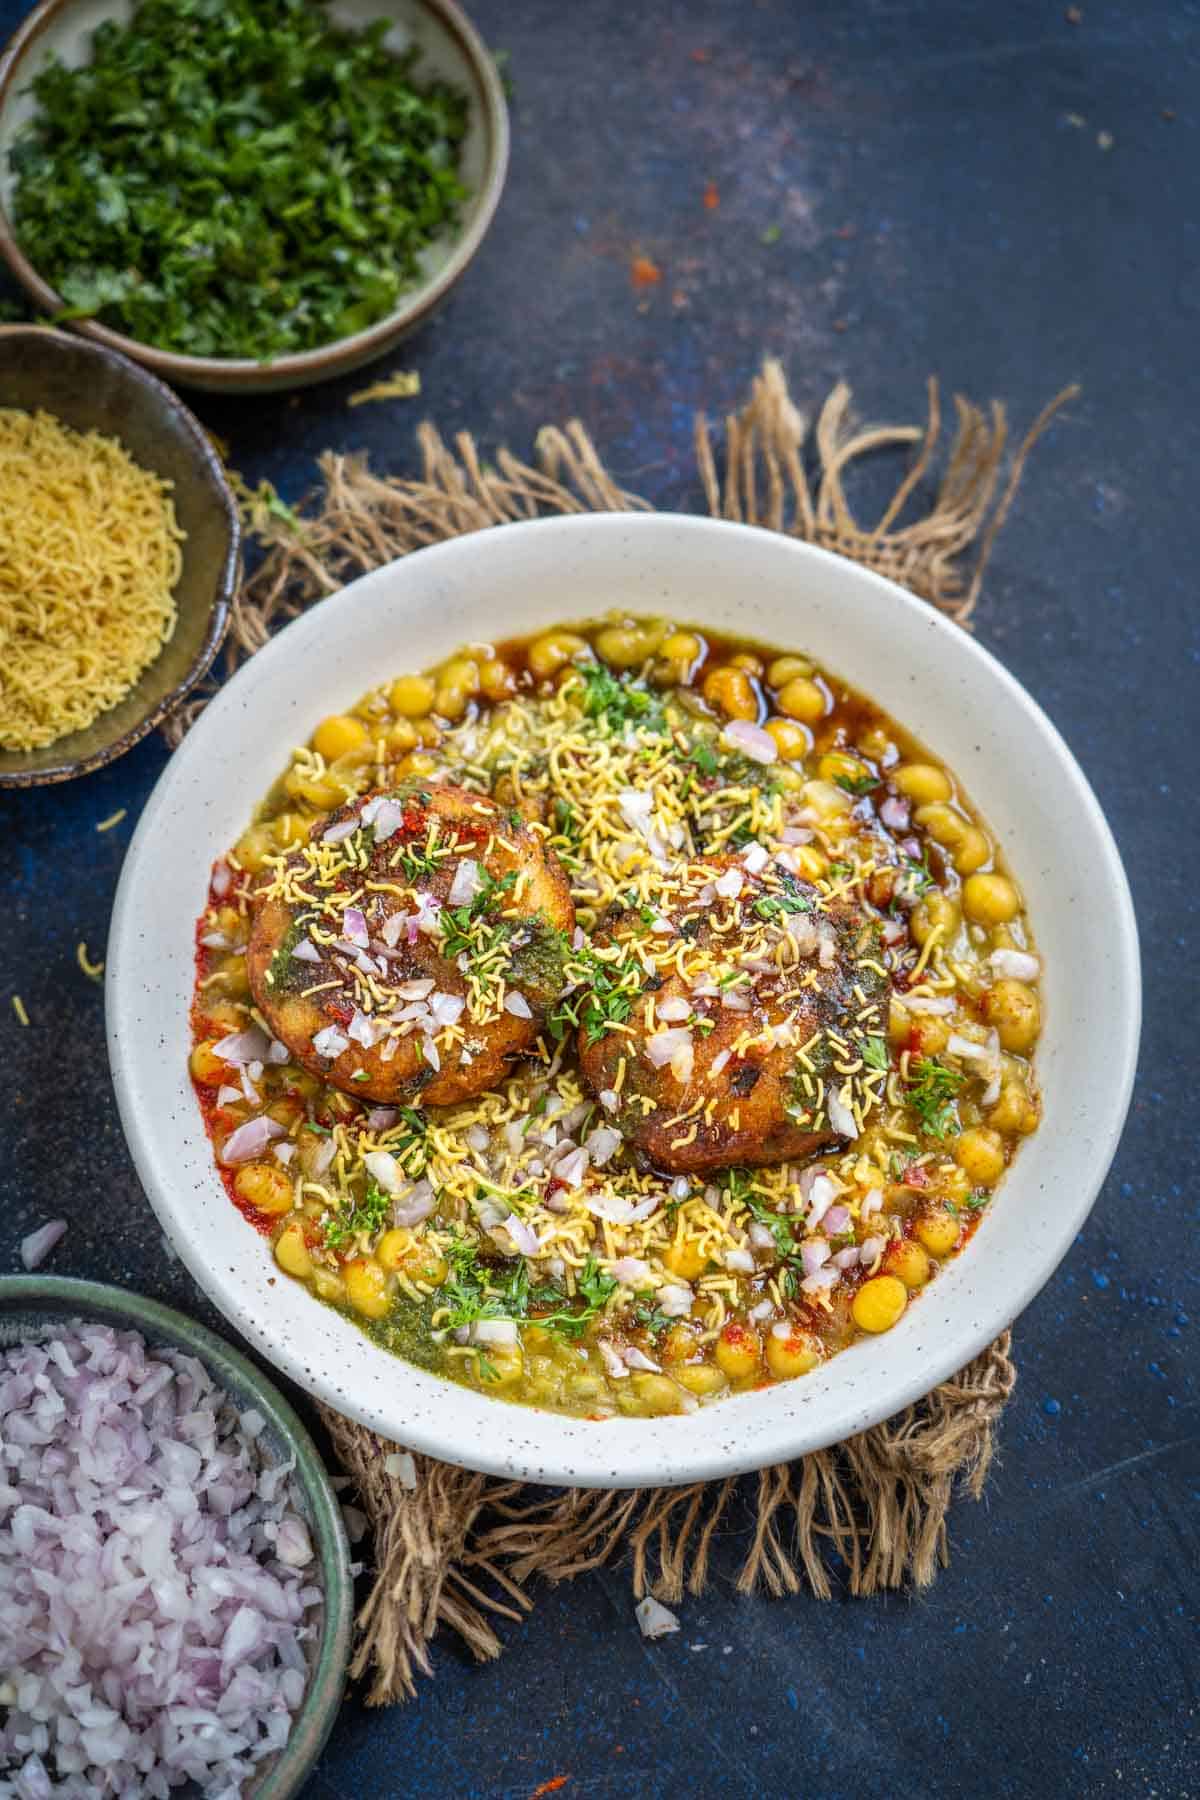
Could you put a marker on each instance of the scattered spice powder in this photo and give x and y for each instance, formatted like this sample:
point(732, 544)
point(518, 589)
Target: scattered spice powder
point(644, 273)
point(712, 197)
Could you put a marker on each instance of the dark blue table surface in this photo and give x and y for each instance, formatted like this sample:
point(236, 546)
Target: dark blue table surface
point(1011, 199)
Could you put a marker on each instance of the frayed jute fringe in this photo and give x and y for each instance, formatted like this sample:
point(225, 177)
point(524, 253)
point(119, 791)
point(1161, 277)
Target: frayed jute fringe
point(461, 1549)
point(770, 470)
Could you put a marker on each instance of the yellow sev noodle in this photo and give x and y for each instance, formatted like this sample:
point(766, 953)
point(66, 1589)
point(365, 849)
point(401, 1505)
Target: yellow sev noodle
point(89, 558)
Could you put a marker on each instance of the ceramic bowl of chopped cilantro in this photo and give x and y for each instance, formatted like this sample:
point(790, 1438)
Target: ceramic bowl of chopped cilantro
point(247, 195)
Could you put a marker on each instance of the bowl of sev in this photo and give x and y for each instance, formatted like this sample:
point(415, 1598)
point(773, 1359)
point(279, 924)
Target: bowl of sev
point(119, 550)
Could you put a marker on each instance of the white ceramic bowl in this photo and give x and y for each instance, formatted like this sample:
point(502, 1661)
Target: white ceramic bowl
point(513, 580)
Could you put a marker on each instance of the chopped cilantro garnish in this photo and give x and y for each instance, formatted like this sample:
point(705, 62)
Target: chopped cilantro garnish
point(704, 757)
point(595, 1288)
point(456, 923)
point(416, 861)
point(605, 998)
point(169, 188)
point(932, 1091)
point(369, 1216)
point(858, 784)
point(875, 1053)
point(617, 699)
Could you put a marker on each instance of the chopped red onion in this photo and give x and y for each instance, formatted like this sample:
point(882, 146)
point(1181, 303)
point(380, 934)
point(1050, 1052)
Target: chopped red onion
point(663, 927)
point(447, 1009)
point(814, 1253)
point(343, 829)
point(392, 927)
point(389, 817)
point(894, 813)
point(630, 1271)
point(741, 1260)
point(872, 1202)
point(363, 1030)
point(822, 1195)
point(719, 1061)
point(322, 1157)
point(409, 1209)
point(156, 1574)
point(250, 1140)
point(836, 1220)
point(37, 1246)
point(609, 1099)
point(634, 1358)
point(229, 1096)
point(991, 1092)
point(222, 879)
point(735, 999)
point(354, 927)
point(675, 1299)
point(967, 1048)
point(823, 1279)
point(477, 1138)
point(870, 1250)
point(846, 1259)
point(654, 1620)
point(674, 1010)
point(330, 1042)
point(517, 1005)
point(762, 1311)
point(892, 930)
point(242, 1046)
point(761, 1236)
point(680, 1188)
point(382, 1118)
point(400, 1465)
point(602, 1145)
point(808, 1178)
point(494, 1331)
point(752, 741)
point(613, 1361)
point(730, 884)
point(466, 884)
point(840, 1117)
point(1015, 965)
point(755, 858)
point(382, 1167)
point(523, 1236)
point(796, 834)
point(663, 1046)
point(937, 1004)
point(283, 1153)
point(572, 1168)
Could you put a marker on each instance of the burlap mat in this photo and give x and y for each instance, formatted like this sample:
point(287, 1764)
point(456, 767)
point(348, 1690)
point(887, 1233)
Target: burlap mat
point(461, 1549)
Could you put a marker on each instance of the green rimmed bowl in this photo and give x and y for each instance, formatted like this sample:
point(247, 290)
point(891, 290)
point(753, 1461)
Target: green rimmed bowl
point(31, 1305)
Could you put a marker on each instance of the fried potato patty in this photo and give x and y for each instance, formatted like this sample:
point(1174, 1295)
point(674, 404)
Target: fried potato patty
point(411, 948)
point(747, 1042)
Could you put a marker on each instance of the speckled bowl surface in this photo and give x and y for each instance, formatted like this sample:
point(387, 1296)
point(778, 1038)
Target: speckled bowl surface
point(515, 579)
point(31, 1306)
point(92, 388)
point(449, 47)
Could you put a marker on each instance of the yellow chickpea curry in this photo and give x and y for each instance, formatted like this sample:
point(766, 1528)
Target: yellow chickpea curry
point(615, 1020)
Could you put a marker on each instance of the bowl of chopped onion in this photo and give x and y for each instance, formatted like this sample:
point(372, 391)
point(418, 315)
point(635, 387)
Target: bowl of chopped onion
point(178, 1572)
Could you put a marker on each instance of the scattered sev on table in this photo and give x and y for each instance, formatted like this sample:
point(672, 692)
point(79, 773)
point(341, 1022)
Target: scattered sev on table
point(90, 552)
